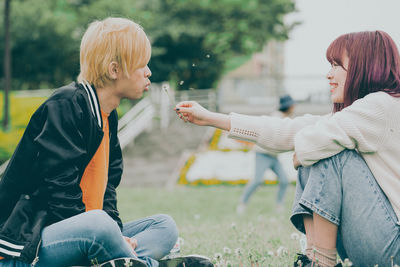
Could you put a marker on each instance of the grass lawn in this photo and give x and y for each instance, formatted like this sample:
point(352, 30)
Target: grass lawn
point(209, 225)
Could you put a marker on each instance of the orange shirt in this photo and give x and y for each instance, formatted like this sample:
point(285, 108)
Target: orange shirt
point(95, 178)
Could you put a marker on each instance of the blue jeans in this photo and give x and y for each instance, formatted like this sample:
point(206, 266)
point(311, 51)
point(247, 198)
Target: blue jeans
point(343, 190)
point(93, 237)
point(264, 162)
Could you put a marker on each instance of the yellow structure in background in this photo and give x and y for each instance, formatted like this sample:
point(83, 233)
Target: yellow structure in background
point(217, 144)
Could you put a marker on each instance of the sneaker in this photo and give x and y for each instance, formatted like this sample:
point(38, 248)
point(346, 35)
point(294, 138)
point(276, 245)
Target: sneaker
point(301, 261)
point(124, 262)
point(186, 261)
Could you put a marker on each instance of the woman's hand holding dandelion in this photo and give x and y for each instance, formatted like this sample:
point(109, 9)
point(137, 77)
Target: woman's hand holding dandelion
point(193, 112)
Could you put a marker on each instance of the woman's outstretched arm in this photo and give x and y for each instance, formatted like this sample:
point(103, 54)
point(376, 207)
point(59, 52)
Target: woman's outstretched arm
point(193, 112)
point(272, 133)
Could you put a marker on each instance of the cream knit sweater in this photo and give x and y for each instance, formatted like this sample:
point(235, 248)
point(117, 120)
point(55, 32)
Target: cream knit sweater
point(371, 125)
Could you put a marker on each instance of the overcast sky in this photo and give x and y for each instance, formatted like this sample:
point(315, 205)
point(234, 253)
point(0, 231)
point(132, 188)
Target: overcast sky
point(324, 20)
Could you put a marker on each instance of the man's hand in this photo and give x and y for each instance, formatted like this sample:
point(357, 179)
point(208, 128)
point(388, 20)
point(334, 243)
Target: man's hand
point(132, 243)
point(296, 162)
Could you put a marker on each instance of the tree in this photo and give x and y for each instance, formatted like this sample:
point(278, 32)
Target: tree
point(191, 39)
point(197, 37)
point(7, 63)
point(45, 45)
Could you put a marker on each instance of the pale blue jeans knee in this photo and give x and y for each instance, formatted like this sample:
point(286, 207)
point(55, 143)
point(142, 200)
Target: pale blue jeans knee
point(343, 190)
point(94, 237)
point(264, 162)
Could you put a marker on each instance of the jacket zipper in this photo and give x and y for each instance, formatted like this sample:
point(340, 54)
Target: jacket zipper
point(36, 259)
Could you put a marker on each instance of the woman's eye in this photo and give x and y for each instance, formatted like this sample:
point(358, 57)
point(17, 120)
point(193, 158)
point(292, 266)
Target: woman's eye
point(334, 64)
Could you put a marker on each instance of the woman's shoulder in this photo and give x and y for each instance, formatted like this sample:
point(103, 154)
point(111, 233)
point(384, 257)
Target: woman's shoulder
point(379, 99)
point(380, 96)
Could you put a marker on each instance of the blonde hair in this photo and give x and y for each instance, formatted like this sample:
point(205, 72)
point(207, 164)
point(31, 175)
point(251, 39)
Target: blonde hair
point(112, 39)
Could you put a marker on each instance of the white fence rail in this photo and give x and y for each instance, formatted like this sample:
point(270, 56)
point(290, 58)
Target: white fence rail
point(135, 121)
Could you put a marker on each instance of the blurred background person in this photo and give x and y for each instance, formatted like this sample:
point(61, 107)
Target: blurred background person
point(269, 160)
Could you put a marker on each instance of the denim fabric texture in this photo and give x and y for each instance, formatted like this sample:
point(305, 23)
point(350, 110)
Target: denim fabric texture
point(93, 237)
point(343, 190)
point(263, 163)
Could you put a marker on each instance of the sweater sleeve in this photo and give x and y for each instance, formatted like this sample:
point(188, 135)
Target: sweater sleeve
point(271, 133)
point(359, 126)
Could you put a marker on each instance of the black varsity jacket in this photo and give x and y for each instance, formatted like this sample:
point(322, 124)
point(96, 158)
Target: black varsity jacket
point(41, 183)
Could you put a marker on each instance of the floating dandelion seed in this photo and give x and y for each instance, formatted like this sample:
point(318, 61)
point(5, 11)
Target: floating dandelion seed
point(181, 82)
point(227, 250)
point(270, 253)
point(208, 56)
point(197, 216)
point(233, 226)
point(191, 88)
point(193, 65)
point(294, 236)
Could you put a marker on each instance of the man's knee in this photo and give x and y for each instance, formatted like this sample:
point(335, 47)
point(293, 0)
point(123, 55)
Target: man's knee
point(99, 223)
point(168, 222)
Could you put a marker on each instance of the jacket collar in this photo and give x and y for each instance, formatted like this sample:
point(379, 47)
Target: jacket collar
point(94, 102)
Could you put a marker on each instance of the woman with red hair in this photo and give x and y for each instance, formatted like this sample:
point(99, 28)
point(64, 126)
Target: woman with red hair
point(347, 194)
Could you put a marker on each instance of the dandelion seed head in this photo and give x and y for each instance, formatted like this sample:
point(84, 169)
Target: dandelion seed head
point(165, 87)
point(270, 253)
point(197, 216)
point(281, 251)
point(181, 82)
point(193, 65)
point(227, 250)
point(233, 226)
point(294, 236)
point(208, 56)
point(218, 256)
point(238, 252)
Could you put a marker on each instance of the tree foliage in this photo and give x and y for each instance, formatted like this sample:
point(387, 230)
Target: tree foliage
point(191, 38)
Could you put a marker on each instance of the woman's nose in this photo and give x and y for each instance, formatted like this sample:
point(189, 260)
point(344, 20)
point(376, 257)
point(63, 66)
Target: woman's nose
point(329, 75)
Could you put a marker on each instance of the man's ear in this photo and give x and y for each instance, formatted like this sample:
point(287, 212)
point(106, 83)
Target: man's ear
point(113, 69)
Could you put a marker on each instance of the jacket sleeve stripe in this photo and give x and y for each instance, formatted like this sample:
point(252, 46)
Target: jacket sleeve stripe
point(10, 245)
point(11, 253)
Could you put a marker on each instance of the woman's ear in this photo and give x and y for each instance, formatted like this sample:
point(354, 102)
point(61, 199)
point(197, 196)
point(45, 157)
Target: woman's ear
point(113, 69)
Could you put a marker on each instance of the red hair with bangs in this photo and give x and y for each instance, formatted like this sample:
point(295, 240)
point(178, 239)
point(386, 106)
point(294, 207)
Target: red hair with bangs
point(374, 64)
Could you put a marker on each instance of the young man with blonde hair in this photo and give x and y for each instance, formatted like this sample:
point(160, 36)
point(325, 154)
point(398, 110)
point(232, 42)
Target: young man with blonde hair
point(58, 194)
